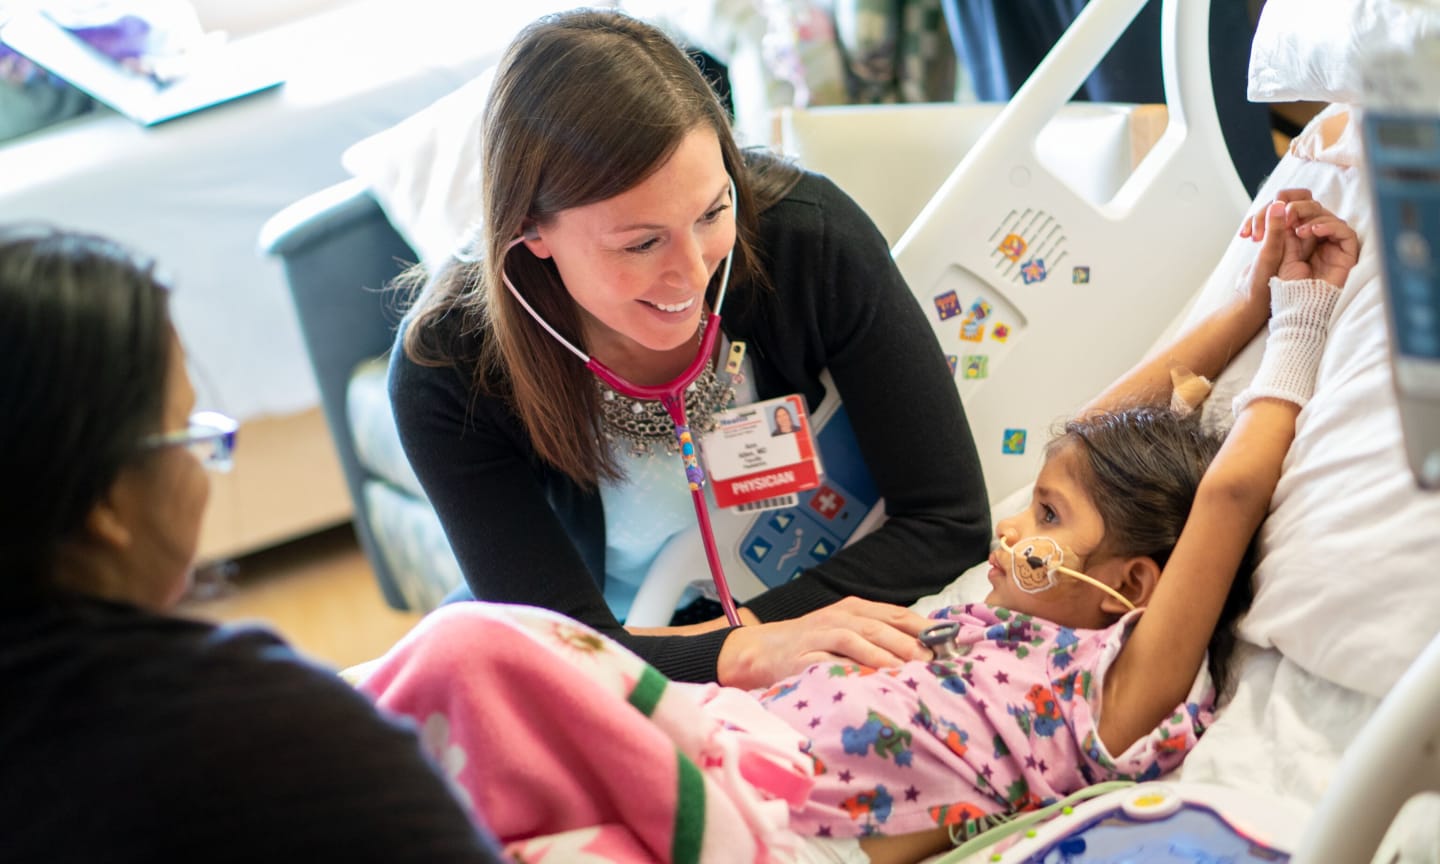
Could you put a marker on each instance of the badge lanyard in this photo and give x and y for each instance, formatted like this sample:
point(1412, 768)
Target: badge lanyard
point(671, 394)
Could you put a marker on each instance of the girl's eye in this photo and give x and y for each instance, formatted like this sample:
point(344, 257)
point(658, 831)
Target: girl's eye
point(1048, 515)
point(714, 215)
point(644, 247)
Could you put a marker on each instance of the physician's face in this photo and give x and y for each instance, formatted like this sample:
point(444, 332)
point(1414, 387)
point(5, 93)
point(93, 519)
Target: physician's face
point(638, 264)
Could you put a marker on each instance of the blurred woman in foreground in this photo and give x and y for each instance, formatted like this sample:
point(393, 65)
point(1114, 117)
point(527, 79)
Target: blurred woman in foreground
point(128, 734)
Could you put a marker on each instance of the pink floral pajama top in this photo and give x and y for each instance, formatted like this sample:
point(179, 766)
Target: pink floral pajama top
point(1010, 724)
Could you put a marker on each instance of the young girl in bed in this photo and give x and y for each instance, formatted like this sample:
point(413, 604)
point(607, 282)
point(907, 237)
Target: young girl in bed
point(1136, 510)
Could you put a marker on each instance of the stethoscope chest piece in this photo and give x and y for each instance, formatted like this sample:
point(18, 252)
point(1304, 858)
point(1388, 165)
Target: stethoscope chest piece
point(940, 639)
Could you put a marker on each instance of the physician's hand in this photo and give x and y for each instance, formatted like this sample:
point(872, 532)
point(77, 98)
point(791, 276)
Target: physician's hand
point(850, 631)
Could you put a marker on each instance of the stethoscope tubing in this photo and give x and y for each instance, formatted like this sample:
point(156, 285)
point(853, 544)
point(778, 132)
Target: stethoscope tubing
point(671, 394)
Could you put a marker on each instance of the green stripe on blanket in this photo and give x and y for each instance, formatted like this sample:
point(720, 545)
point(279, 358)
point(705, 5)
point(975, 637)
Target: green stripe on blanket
point(689, 813)
point(648, 690)
point(690, 796)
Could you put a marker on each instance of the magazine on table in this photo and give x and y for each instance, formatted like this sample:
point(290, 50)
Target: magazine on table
point(163, 88)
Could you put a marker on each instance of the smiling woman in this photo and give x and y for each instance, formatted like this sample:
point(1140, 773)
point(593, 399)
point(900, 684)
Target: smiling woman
point(638, 264)
point(134, 735)
point(619, 210)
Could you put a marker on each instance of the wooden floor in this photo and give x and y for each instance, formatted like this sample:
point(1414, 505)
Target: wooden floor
point(317, 592)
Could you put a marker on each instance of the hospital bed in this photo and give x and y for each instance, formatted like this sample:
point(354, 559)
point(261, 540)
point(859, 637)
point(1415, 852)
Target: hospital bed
point(1345, 566)
point(1345, 588)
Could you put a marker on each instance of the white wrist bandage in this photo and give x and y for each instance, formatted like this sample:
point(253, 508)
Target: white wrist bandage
point(1299, 320)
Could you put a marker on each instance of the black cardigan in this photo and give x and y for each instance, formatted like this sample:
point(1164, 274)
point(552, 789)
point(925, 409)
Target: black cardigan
point(525, 533)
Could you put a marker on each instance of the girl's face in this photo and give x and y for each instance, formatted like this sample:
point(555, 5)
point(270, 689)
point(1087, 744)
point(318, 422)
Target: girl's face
point(1061, 510)
point(638, 264)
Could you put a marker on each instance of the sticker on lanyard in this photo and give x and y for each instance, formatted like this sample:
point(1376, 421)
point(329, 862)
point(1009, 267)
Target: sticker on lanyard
point(761, 452)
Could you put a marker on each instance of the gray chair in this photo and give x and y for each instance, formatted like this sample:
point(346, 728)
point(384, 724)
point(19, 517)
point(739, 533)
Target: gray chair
point(339, 253)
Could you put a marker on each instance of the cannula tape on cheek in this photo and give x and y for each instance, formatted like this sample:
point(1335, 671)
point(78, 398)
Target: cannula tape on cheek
point(1037, 562)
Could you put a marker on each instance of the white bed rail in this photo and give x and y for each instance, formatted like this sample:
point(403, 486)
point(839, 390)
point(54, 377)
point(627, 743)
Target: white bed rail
point(1054, 295)
point(1395, 757)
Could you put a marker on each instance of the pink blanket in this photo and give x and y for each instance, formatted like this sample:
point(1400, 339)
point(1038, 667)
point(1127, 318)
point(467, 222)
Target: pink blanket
point(571, 748)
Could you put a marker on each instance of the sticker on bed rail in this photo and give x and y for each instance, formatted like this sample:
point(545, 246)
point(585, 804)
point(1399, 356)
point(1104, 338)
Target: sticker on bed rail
point(1033, 271)
point(953, 361)
point(1013, 442)
point(1080, 275)
point(979, 310)
point(1012, 247)
point(947, 305)
point(977, 366)
point(1028, 245)
point(972, 330)
point(1000, 332)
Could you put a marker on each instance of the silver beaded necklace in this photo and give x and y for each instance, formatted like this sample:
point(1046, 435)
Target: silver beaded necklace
point(645, 426)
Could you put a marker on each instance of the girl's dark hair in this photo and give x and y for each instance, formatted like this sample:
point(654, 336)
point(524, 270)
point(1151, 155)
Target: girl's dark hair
point(586, 104)
point(85, 327)
point(1144, 466)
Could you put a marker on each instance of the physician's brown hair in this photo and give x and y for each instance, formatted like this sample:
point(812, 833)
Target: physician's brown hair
point(586, 104)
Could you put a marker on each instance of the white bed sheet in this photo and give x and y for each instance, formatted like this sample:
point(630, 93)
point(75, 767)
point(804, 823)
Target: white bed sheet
point(1282, 734)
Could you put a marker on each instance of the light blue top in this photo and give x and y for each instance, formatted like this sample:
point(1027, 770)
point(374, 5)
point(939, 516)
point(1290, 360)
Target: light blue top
point(647, 508)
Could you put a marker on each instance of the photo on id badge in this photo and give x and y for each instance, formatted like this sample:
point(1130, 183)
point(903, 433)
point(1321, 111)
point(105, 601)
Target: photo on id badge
point(782, 422)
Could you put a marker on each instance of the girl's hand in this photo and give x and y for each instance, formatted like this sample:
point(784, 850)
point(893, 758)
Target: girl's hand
point(1300, 240)
point(850, 631)
point(1320, 245)
point(1267, 226)
point(1256, 225)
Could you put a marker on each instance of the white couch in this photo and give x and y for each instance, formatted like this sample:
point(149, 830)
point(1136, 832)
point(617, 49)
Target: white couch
point(194, 192)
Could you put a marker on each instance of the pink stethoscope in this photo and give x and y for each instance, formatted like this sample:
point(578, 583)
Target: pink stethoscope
point(671, 394)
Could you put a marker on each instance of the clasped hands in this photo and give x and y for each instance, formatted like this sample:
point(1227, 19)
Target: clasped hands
point(1300, 240)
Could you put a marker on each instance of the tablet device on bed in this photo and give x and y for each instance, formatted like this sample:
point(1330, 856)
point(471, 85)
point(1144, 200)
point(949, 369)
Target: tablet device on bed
point(1402, 150)
point(224, 73)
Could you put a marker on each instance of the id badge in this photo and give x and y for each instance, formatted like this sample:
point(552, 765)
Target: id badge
point(761, 455)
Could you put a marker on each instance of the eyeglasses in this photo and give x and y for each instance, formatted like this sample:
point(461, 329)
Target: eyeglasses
point(210, 437)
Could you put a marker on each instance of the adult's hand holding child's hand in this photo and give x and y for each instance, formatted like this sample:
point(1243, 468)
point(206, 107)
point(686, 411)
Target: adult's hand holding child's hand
point(849, 631)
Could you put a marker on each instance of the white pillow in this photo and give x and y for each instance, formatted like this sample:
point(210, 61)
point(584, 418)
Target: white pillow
point(1318, 50)
point(425, 170)
point(1346, 585)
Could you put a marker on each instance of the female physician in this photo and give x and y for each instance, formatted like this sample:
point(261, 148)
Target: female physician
point(614, 197)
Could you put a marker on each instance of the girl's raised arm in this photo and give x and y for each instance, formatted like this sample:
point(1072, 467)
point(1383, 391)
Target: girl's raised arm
point(1311, 252)
point(1207, 346)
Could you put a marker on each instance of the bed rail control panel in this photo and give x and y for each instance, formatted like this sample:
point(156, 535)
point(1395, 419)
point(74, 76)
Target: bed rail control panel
point(1402, 150)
